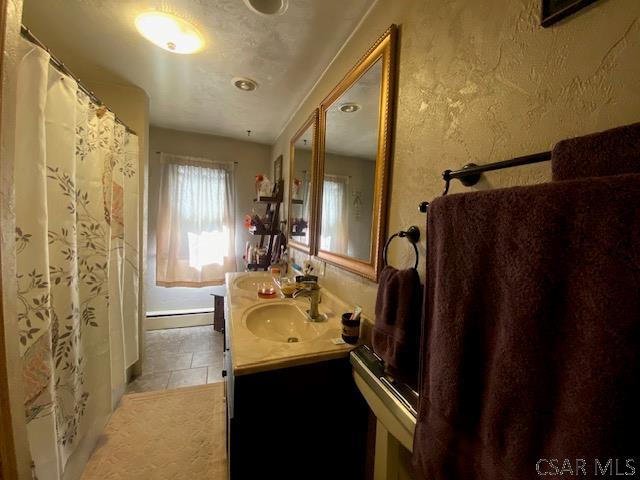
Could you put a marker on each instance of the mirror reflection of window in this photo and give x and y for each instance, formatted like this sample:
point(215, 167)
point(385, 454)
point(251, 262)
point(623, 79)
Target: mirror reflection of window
point(306, 196)
point(351, 149)
point(335, 223)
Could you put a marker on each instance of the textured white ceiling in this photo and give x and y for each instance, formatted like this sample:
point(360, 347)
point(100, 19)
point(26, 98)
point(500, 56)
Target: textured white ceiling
point(285, 54)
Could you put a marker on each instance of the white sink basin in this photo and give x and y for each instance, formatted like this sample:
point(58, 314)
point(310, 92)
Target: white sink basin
point(250, 283)
point(283, 322)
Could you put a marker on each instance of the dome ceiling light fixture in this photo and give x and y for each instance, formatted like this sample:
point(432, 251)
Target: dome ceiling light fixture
point(349, 107)
point(169, 32)
point(267, 7)
point(244, 84)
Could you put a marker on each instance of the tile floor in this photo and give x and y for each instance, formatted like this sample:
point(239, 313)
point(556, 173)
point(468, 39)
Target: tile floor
point(180, 357)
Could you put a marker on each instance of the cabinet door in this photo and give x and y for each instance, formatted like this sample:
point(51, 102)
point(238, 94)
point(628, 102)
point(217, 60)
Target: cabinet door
point(218, 313)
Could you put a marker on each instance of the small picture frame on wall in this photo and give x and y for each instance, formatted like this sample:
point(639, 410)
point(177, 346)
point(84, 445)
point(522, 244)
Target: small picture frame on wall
point(277, 170)
point(555, 10)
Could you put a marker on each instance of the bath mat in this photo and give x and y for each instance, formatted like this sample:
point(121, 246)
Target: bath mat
point(171, 434)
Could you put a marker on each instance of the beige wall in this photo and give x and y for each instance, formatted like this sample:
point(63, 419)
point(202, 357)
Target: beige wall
point(129, 103)
point(481, 81)
point(252, 158)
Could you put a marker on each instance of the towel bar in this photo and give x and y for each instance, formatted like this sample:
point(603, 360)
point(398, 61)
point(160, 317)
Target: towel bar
point(470, 174)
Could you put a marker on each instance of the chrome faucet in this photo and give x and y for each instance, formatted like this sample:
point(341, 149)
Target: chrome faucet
point(311, 290)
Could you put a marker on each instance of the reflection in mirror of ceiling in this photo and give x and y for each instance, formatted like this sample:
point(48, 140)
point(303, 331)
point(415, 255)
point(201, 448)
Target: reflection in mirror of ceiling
point(305, 141)
point(356, 134)
point(284, 53)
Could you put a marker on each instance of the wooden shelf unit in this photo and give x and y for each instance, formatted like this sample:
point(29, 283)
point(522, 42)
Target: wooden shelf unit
point(272, 215)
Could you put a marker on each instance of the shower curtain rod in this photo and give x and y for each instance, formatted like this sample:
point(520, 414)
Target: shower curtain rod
point(58, 65)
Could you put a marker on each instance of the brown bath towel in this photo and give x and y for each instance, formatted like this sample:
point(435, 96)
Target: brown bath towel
point(396, 332)
point(533, 319)
point(612, 152)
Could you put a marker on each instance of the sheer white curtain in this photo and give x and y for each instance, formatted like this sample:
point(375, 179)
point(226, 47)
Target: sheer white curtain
point(196, 224)
point(306, 205)
point(334, 231)
point(76, 201)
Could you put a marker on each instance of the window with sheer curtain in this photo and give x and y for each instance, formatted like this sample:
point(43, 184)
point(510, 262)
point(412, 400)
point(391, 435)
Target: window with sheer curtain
point(196, 225)
point(334, 229)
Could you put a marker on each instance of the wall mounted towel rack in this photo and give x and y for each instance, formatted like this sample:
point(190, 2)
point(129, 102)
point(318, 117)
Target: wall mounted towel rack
point(470, 174)
point(412, 234)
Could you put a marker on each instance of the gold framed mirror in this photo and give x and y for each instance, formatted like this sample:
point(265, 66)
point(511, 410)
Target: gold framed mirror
point(302, 172)
point(354, 149)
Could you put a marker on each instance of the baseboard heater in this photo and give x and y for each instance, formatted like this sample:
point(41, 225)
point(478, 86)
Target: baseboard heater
point(175, 313)
point(179, 318)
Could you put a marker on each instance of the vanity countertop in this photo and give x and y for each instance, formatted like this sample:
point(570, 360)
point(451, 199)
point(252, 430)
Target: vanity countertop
point(251, 353)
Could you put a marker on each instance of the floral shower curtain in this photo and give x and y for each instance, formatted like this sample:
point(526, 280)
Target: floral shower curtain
point(76, 190)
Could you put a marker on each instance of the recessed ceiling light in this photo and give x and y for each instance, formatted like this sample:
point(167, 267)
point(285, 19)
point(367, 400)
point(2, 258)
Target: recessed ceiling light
point(349, 107)
point(245, 84)
point(169, 32)
point(267, 7)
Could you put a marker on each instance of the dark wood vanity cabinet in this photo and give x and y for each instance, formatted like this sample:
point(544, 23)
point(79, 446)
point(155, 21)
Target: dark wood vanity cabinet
point(303, 422)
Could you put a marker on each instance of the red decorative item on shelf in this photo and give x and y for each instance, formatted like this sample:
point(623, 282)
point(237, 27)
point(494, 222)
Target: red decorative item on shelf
point(297, 183)
point(255, 223)
point(259, 180)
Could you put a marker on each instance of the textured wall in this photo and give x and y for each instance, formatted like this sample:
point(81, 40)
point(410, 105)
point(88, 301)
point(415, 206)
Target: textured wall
point(482, 82)
point(252, 158)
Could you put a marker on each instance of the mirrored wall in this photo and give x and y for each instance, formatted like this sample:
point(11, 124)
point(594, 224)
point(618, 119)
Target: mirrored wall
point(350, 155)
point(353, 161)
point(303, 154)
point(338, 191)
